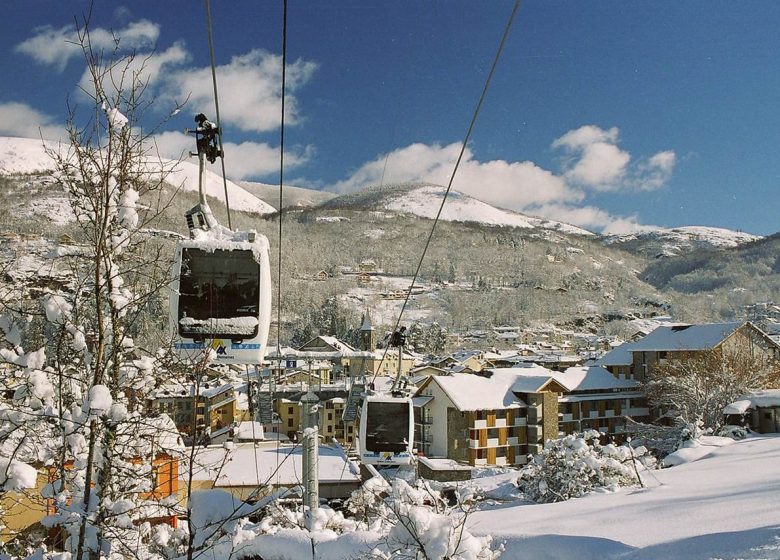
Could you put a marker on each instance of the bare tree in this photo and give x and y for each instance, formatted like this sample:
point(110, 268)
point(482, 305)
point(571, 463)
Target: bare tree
point(695, 389)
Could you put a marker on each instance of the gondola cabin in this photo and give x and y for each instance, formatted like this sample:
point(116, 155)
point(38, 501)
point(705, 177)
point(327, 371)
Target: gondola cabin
point(386, 431)
point(221, 297)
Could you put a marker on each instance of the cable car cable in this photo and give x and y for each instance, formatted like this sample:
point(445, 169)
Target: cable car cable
point(281, 184)
point(452, 176)
point(281, 200)
point(216, 106)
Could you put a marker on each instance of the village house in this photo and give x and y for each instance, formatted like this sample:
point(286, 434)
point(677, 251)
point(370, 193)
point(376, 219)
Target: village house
point(331, 425)
point(217, 406)
point(759, 411)
point(500, 416)
point(681, 341)
point(340, 351)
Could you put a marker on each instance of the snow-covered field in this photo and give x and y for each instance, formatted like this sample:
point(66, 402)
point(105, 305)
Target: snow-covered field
point(722, 506)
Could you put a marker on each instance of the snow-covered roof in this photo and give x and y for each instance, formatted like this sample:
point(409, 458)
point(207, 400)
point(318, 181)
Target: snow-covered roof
point(759, 399)
point(591, 378)
point(443, 464)
point(279, 465)
point(738, 407)
point(618, 356)
point(530, 383)
point(476, 392)
point(209, 390)
point(249, 430)
point(421, 400)
point(685, 337)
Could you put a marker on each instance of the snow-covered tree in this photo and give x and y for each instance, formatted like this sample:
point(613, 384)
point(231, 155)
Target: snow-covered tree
point(77, 413)
point(693, 390)
point(577, 464)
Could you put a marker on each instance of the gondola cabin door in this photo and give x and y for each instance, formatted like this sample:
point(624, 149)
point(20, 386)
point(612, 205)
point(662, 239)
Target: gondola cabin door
point(221, 298)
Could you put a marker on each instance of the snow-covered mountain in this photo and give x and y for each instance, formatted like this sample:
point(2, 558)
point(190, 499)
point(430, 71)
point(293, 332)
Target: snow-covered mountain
point(424, 200)
point(293, 196)
point(677, 241)
point(28, 155)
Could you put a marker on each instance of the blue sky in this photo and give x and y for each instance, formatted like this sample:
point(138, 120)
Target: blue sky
point(609, 115)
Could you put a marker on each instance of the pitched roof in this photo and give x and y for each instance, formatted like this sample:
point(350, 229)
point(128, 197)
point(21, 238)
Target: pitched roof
point(618, 356)
point(592, 378)
point(469, 391)
point(685, 337)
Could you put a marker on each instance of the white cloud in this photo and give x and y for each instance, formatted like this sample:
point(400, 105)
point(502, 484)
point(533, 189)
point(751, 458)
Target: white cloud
point(249, 90)
point(513, 185)
point(585, 136)
point(21, 120)
point(595, 161)
point(56, 47)
point(656, 171)
point(592, 218)
point(242, 161)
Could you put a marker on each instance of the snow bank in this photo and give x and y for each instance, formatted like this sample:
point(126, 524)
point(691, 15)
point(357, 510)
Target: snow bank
point(694, 450)
point(722, 507)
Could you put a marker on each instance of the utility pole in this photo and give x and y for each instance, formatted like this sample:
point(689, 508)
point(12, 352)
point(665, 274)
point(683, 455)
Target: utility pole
point(311, 494)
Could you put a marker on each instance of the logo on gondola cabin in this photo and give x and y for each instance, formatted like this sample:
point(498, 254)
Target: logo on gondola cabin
point(219, 346)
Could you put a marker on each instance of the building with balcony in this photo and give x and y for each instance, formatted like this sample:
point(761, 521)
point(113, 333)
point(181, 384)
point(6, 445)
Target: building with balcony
point(504, 414)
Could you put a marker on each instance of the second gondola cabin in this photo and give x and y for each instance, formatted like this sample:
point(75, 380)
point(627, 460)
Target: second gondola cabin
point(386, 433)
point(221, 297)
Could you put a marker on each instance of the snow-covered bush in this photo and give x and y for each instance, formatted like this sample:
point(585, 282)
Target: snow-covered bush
point(661, 440)
point(575, 465)
point(733, 432)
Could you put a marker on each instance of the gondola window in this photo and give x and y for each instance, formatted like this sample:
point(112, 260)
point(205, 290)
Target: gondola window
point(387, 426)
point(218, 294)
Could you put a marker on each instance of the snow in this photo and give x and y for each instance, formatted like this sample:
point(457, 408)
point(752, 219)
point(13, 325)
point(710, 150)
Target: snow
point(15, 475)
point(226, 326)
point(115, 117)
point(685, 337)
point(280, 465)
point(716, 237)
point(185, 175)
point(249, 431)
point(426, 200)
point(694, 450)
point(474, 392)
point(100, 399)
point(57, 308)
point(591, 378)
point(28, 156)
point(765, 398)
point(721, 506)
point(738, 407)
point(24, 155)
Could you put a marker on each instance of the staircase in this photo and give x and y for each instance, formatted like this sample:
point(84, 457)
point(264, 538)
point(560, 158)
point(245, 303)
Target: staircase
point(353, 401)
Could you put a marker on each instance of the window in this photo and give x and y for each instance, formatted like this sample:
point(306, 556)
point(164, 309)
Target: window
point(290, 410)
point(330, 416)
point(330, 429)
point(289, 422)
point(387, 426)
point(218, 284)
